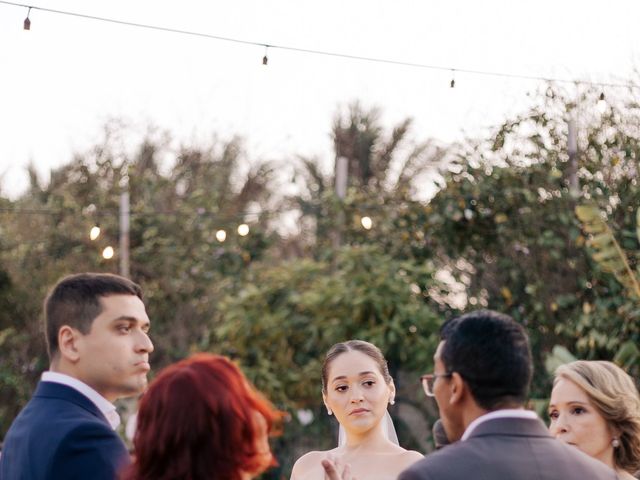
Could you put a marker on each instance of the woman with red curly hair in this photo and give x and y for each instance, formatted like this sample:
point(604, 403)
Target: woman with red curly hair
point(201, 419)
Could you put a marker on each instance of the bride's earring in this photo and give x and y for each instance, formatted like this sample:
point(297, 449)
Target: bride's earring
point(615, 443)
point(392, 401)
point(329, 411)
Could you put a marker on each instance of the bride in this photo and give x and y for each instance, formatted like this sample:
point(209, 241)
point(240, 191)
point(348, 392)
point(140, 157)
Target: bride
point(356, 388)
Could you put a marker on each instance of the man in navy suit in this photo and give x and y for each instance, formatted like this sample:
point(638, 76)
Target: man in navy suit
point(96, 329)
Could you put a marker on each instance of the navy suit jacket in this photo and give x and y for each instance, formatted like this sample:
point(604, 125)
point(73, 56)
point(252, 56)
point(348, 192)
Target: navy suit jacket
point(61, 434)
point(509, 449)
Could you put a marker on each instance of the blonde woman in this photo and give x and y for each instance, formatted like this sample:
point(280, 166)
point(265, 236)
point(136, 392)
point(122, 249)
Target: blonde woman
point(595, 406)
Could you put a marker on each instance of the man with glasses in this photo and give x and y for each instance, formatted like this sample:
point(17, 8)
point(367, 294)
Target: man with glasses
point(481, 380)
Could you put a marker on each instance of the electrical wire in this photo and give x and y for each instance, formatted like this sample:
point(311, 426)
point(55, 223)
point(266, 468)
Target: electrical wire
point(324, 52)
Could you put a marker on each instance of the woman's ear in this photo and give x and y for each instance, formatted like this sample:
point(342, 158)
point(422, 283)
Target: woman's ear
point(614, 431)
point(392, 392)
point(324, 400)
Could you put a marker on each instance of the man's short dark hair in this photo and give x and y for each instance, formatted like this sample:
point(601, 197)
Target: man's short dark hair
point(75, 301)
point(491, 353)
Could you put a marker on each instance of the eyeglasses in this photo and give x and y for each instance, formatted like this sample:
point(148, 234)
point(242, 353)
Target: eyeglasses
point(429, 380)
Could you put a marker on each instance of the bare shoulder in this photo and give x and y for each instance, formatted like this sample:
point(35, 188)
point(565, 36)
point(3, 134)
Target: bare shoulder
point(308, 463)
point(412, 455)
point(409, 457)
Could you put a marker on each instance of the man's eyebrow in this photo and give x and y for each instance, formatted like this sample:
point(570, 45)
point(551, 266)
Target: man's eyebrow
point(130, 319)
point(125, 318)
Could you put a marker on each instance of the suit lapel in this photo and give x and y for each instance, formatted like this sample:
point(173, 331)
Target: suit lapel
point(69, 394)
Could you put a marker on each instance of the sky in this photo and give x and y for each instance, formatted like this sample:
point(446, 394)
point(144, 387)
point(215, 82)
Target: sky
point(64, 79)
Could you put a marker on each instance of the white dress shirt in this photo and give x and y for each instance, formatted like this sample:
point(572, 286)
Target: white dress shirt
point(505, 413)
point(107, 408)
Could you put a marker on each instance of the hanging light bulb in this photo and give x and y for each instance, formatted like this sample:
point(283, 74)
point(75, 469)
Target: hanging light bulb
point(265, 59)
point(221, 235)
point(453, 80)
point(366, 222)
point(107, 253)
point(602, 103)
point(95, 232)
point(243, 229)
point(27, 22)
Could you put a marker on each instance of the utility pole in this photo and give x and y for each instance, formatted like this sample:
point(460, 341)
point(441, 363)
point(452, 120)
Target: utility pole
point(124, 232)
point(341, 177)
point(572, 143)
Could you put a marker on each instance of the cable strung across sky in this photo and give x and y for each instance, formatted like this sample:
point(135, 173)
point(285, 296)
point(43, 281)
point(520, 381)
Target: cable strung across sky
point(266, 46)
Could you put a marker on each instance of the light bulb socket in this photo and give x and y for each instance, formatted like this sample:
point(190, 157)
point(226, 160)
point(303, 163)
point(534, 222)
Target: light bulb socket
point(27, 23)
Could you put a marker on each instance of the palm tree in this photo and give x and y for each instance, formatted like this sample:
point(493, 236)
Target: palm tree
point(381, 167)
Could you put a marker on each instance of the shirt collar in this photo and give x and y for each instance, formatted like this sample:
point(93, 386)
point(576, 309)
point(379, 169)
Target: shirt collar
point(107, 408)
point(505, 413)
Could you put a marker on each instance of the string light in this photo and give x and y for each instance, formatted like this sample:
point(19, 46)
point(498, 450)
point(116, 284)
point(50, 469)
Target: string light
point(323, 52)
point(602, 103)
point(265, 59)
point(27, 22)
point(95, 232)
point(107, 253)
point(453, 80)
point(243, 229)
point(366, 222)
point(221, 235)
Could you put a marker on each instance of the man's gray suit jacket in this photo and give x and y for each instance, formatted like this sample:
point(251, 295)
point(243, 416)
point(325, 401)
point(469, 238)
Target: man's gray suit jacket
point(506, 449)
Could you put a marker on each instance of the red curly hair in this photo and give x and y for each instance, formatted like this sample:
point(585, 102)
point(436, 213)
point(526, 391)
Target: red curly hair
point(201, 419)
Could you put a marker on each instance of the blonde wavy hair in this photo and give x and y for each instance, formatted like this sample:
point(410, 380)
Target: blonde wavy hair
point(614, 393)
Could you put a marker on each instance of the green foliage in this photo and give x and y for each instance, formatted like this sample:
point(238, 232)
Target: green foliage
point(628, 356)
point(558, 356)
point(504, 224)
point(610, 257)
point(606, 250)
point(383, 170)
point(282, 319)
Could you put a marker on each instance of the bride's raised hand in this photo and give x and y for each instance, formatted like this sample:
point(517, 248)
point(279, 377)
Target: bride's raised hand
point(336, 469)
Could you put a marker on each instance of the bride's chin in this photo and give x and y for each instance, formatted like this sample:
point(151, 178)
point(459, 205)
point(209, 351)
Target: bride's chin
point(362, 425)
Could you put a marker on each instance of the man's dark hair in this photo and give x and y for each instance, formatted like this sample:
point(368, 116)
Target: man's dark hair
point(491, 353)
point(75, 301)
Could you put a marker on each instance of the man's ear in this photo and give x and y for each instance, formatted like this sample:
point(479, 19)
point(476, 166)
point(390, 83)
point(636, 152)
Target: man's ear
point(68, 338)
point(458, 388)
